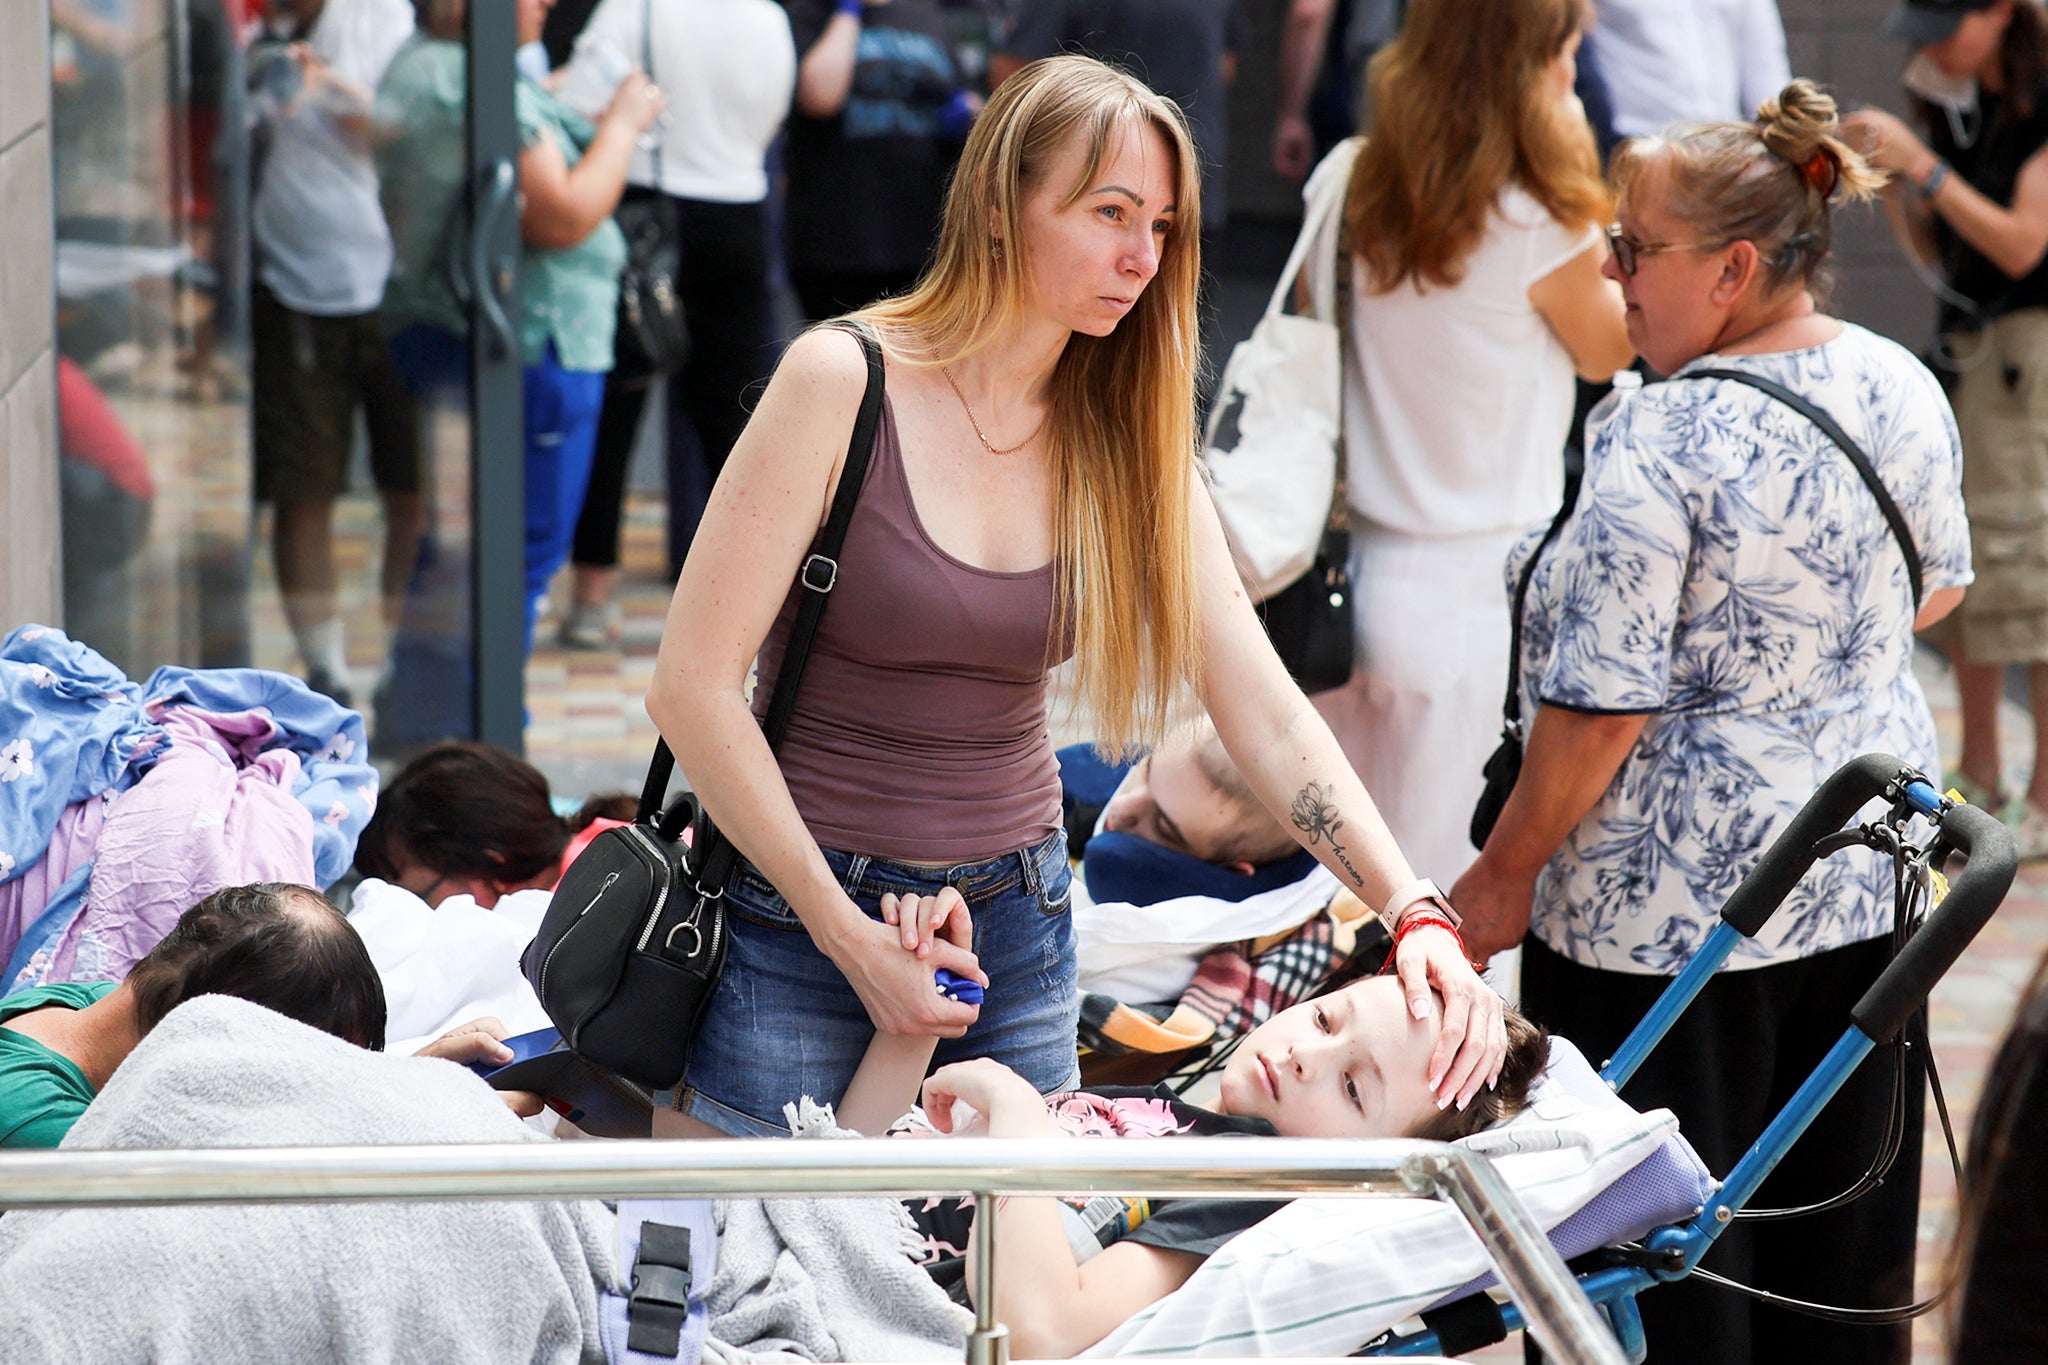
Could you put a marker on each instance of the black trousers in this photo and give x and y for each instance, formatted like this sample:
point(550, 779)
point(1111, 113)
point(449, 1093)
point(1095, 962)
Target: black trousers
point(725, 292)
point(1726, 1069)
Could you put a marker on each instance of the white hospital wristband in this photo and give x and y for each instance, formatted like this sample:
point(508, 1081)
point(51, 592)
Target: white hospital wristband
point(1409, 896)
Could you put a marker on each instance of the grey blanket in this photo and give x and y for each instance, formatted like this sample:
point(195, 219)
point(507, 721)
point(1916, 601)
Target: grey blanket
point(488, 1283)
point(825, 1279)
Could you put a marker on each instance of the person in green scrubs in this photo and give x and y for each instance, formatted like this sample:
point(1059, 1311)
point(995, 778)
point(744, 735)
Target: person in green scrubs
point(280, 946)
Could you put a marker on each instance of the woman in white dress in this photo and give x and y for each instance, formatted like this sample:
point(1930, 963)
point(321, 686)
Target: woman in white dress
point(1473, 231)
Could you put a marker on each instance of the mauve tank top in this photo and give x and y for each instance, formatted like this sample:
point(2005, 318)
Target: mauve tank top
point(920, 729)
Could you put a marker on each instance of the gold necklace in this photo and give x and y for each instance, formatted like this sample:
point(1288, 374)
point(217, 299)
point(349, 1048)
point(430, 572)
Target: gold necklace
point(986, 444)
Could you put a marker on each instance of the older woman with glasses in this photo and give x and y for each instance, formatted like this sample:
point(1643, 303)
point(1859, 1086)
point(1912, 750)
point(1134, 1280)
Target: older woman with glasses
point(1727, 617)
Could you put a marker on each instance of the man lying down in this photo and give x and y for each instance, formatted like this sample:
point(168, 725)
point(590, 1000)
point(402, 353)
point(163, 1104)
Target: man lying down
point(512, 1281)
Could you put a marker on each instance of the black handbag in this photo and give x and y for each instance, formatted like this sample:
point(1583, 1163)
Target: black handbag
point(629, 953)
point(1309, 620)
point(653, 335)
point(1504, 766)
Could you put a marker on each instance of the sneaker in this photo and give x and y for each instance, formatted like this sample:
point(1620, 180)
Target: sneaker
point(1978, 796)
point(2029, 826)
point(587, 626)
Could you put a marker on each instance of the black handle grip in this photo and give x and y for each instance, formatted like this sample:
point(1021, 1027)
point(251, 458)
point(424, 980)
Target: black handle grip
point(1972, 898)
point(1787, 859)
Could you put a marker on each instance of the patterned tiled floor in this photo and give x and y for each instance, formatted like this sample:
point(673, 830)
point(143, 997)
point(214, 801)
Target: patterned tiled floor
point(589, 732)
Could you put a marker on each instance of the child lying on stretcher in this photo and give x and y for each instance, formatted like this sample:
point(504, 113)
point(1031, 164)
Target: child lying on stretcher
point(1353, 1064)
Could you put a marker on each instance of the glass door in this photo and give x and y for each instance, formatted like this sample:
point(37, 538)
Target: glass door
point(287, 249)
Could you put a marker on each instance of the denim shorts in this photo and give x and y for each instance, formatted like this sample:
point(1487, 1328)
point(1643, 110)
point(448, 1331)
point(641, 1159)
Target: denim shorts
point(785, 1023)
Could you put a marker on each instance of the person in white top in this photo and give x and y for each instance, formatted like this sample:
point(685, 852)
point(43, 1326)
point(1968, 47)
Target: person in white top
point(1703, 61)
point(730, 67)
point(1475, 296)
point(322, 255)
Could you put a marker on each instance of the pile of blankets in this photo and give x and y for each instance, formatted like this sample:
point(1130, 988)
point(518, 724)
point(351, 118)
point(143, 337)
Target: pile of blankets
point(485, 1282)
point(123, 805)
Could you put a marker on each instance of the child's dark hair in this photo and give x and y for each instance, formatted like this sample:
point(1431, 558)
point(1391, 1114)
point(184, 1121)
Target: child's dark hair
point(469, 809)
point(274, 944)
point(1528, 1053)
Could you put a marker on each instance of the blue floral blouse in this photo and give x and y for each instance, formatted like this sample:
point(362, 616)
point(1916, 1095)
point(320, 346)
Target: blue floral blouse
point(1728, 572)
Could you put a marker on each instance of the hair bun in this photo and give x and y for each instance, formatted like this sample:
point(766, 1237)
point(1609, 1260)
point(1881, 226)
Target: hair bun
point(1796, 125)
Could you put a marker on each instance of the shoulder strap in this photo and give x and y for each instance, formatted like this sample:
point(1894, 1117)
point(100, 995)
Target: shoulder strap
point(1511, 708)
point(1834, 432)
point(819, 575)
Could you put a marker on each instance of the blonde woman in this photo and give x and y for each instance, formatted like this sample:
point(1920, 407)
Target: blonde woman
point(1033, 495)
point(1473, 231)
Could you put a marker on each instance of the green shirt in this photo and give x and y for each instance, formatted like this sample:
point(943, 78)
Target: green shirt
point(42, 1092)
point(569, 297)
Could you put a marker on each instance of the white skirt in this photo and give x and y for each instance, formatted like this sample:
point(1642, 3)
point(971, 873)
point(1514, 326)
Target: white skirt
point(1423, 708)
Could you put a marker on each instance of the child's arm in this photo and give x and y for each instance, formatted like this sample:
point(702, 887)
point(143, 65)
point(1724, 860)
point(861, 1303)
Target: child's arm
point(885, 1085)
point(1058, 1307)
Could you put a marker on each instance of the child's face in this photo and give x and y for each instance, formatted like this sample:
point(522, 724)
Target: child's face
point(1352, 1064)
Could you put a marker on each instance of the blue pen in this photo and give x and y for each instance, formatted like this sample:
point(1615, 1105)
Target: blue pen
point(954, 986)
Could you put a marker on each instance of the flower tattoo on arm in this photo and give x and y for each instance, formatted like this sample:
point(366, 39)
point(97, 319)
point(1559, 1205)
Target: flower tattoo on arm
point(1316, 816)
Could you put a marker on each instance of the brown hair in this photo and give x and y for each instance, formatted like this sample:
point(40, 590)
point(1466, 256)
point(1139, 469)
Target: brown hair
point(471, 809)
point(1996, 1142)
point(1528, 1053)
point(1120, 436)
point(1461, 109)
point(1773, 182)
point(2022, 61)
point(274, 944)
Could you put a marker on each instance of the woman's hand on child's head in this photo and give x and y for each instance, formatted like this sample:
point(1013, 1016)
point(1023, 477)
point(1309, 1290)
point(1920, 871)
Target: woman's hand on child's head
point(1473, 1039)
point(924, 921)
point(1011, 1104)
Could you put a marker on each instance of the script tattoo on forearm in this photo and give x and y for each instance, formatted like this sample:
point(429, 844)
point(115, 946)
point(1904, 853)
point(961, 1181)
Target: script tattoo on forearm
point(1316, 816)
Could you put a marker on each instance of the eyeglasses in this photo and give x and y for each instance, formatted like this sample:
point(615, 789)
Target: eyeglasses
point(1627, 250)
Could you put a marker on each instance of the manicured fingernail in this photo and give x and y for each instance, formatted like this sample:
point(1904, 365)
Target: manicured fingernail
point(1442, 1101)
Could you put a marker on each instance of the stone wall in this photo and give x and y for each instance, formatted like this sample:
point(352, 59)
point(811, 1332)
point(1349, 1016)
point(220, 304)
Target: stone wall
point(29, 558)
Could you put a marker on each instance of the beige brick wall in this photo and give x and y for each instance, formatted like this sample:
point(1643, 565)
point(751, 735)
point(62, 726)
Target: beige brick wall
point(30, 573)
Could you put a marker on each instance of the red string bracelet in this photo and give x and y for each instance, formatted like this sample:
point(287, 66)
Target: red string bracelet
point(1418, 917)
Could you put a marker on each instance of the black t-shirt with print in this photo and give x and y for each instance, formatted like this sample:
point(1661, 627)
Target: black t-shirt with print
point(1991, 164)
point(867, 186)
point(1199, 1227)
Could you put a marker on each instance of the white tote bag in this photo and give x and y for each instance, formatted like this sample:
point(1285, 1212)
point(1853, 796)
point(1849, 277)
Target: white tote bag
point(1272, 445)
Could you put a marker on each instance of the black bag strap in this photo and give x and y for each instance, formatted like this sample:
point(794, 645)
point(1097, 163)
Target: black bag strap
point(1816, 415)
point(713, 855)
point(1511, 707)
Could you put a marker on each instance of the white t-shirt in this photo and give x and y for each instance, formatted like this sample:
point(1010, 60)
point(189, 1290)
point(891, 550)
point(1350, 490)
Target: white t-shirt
point(728, 68)
point(1701, 61)
point(321, 242)
point(1457, 401)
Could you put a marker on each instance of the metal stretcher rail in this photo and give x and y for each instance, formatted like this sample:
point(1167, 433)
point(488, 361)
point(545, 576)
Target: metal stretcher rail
point(1563, 1319)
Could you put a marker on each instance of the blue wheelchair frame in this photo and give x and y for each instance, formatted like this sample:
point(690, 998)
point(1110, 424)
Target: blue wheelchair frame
point(1670, 1253)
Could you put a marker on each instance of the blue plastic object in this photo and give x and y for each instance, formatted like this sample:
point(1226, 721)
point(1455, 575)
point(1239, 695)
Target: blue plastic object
point(954, 986)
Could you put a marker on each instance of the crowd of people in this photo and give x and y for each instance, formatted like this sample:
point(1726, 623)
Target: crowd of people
point(1600, 438)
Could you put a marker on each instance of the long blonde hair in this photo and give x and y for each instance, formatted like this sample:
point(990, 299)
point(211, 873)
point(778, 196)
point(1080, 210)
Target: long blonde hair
point(1461, 109)
point(1120, 434)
